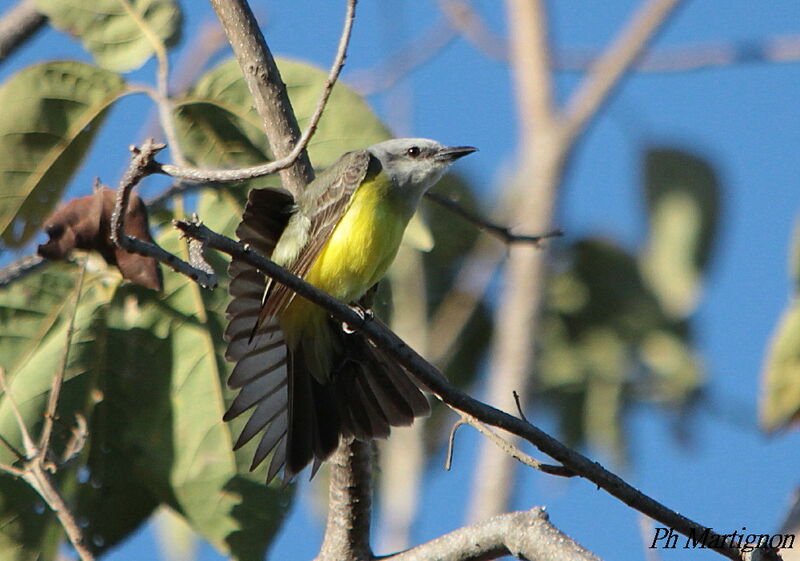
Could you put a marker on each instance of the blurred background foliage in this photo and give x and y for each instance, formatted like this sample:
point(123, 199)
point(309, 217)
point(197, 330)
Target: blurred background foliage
point(146, 370)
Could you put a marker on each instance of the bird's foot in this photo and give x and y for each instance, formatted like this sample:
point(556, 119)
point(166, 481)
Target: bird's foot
point(366, 314)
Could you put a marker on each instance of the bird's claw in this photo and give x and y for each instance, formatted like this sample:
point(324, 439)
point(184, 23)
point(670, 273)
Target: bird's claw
point(366, 314)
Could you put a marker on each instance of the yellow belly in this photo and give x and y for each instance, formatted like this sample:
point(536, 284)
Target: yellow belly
point(357, 255)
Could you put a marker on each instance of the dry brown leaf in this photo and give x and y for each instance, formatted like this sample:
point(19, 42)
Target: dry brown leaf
point(85, 223)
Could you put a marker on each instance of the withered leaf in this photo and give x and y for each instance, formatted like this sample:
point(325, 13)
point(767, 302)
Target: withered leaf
point(85, 223)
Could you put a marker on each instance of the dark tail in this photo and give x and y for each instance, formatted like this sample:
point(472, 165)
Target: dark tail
point(365, 395)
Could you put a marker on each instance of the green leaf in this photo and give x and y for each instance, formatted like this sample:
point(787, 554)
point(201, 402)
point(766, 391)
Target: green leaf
point(606, 342)
point(683, 205)
point(120, 34)
point(51, 113)
point(602, 288)
point(780, 395)
point(218, 126)
point(24, 533)
point(170, 411)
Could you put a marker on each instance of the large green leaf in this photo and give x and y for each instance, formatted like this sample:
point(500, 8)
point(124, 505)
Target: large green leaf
point(51, 113)
point(187, 455)
point(24, 533)
point(606, 341)
point(218, 126)
point(683, 204)
point(120, 34)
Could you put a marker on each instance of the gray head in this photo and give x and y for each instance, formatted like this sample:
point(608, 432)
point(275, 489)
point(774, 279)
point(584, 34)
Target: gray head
point(416, 164)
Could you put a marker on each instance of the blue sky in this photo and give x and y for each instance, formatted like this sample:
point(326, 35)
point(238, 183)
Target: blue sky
point(745, 119)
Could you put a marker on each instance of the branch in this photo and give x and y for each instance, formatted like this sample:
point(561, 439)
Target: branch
point(510, 449)
point(297, 153)
point(20, 268)
point(463, 17)
point(525, 535)
point(501, 232)
point(702, 56)
point(613, 63)
point(430, 377)
point(36, 468)
point(267, 88)
point(405, 60)
point(17, 25)
point(349, 503)
point(516, 315)
point(58, 378)
point(143, 164)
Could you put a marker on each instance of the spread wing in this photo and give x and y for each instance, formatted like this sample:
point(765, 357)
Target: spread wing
point(323, 204)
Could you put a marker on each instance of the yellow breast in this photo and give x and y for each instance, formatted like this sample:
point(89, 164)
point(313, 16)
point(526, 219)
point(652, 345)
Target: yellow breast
point(357, 255)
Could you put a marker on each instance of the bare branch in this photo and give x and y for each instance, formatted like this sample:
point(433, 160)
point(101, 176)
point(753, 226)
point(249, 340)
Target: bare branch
point(17, 25)
point(35, 472)
point(58, 378)
point(297, 152)
point(430, 377)
point(547, 136)
point(463, 17)
point(501, 232)
point(405, 60)
point(513, 451)
point(531, 201)
point(525, 535)
point(451, 443)
point(267, 88)
point(20, 268)
point(349, 503)
point(615, 61)
point(142, 164)
point(689, 58)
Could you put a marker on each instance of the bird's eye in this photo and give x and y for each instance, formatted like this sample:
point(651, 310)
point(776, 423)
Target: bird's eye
point(413, 151)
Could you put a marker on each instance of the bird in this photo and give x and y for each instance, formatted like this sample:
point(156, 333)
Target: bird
point(309, 380)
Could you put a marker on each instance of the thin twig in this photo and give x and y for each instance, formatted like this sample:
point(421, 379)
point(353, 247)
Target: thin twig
point(405, 60)
point(143, 164)
point(30, 448)
point(21, 268)
point(517, 400)
point(270, 97)
point(612, 65)
point(514, 451)
point(463, 17)
point(501, 232)
point(448, 462)
point(17, 25)
point(691, 58)
point(430, 377)
point(230, 175)
point(58, 378)
point(35, 472)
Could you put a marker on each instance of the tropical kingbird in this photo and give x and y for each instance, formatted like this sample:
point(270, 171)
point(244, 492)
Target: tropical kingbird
point(311, 382)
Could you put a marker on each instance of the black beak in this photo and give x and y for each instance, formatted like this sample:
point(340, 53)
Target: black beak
point(452, 153)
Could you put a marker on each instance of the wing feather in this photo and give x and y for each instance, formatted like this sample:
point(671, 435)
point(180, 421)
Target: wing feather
point(324, 204)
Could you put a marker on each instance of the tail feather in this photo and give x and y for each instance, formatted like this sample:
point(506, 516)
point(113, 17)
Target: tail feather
point(274, 434)
point(268, 409)
point(378, 425)
point(328, 428)
point(278, 460)
point(302, 422)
